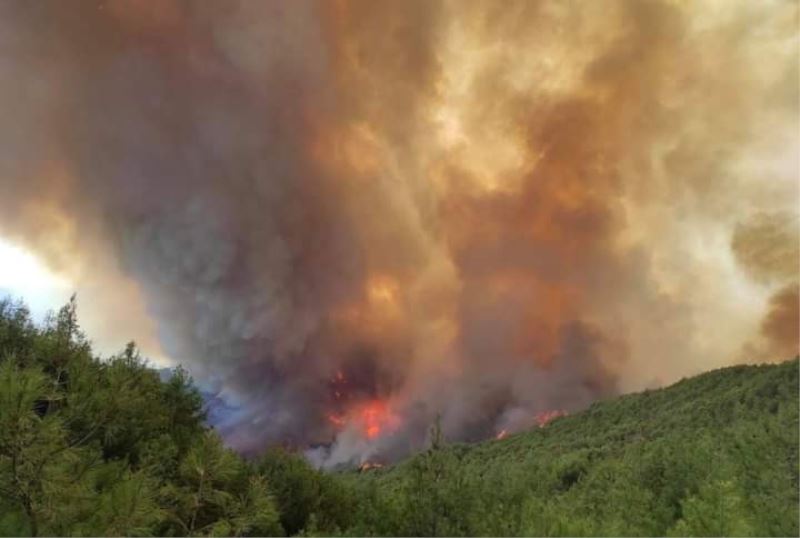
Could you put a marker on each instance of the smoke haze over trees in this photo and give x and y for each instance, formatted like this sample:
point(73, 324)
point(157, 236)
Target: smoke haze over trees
point(93, 447)
point(332, 210)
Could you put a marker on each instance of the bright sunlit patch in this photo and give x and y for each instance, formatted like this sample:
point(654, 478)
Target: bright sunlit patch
point(23, 276)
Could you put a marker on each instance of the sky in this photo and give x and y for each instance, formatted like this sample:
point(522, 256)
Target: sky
point(329, 211)
point(26, 277)
point(23, 276)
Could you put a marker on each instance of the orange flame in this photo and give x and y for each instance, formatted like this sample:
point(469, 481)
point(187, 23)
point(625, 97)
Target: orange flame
point(367, 465)
point(376, 418)
point(543, 417)
point(372, 419)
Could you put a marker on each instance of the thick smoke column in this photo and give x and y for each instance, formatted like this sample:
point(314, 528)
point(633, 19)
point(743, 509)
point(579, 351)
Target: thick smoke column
point(356, 215)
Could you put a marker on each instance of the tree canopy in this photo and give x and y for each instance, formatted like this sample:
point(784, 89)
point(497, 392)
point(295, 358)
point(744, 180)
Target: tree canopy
point(104, 447)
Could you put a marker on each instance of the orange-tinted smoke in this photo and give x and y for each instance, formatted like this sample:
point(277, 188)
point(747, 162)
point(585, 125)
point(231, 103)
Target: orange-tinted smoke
point(338, 210)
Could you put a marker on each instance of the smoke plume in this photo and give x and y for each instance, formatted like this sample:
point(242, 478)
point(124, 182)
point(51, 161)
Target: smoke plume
point(355, 215)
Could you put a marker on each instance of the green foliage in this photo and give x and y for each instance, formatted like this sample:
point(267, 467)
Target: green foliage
point(716, 510)
point(92, 447)
point(215, 494)
point(34, 451)
point(103, 447)
point(436, 498)
point(307, 498)
point(126, 507)
point(713, 455)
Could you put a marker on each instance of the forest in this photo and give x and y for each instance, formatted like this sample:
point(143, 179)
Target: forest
point(94, 446)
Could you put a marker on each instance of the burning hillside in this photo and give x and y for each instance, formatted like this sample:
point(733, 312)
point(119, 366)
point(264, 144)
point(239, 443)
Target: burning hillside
point(352, 216)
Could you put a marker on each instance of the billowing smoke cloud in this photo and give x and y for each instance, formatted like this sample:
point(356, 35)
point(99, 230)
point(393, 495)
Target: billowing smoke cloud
point(353, 216)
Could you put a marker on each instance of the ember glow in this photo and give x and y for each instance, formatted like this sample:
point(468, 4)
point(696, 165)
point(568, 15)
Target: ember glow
point(366, 466)
point(372, 419)
point(354, 216)
point(544, 417)
point(377, 419)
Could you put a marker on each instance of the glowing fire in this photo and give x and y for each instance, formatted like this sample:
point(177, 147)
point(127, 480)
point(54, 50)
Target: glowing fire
point(367, 465)
point(372, 418)
point(543, 417)
point(337, 420)
point(375, 418)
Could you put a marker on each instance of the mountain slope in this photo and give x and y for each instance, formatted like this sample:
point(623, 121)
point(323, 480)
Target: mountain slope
point(105, 447)
point(716, 454)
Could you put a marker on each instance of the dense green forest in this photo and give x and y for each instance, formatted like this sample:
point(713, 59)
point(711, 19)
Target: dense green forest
point(104, 447)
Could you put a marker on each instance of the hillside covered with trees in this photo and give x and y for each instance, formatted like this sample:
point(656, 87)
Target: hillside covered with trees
point(104, 447)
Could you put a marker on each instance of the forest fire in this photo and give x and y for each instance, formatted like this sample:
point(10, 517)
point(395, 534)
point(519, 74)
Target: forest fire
point(537, 420)
point(337, 420)
point(370, 416)
point(544, 417)
point(342, 230)
point(377, 419)
point(372, 419)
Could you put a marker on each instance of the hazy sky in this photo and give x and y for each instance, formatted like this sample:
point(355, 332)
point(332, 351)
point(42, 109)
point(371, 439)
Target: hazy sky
point(23, 276)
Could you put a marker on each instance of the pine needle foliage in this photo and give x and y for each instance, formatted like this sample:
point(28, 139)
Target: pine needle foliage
point(104, 447)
